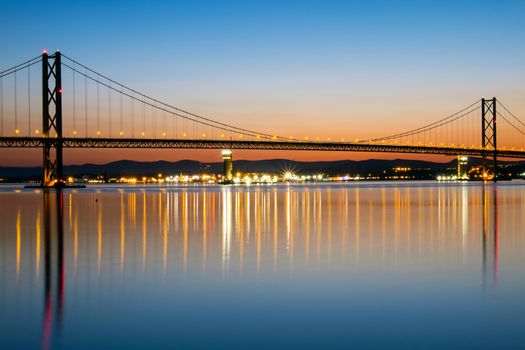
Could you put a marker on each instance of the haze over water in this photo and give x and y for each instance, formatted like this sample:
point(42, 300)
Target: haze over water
point(367, 265)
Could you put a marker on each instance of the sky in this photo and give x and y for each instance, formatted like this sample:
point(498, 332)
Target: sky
point(300, 68)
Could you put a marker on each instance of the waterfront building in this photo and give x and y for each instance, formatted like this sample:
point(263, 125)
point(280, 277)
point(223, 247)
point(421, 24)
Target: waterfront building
point(228, 165)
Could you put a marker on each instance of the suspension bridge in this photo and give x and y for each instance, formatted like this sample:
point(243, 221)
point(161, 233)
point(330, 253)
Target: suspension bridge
point(104, 113)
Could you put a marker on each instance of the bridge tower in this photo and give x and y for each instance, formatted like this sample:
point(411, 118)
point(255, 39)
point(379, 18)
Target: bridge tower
point(52, 165)
point(488, 136)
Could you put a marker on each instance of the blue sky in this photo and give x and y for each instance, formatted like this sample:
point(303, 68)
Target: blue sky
point(259, 63)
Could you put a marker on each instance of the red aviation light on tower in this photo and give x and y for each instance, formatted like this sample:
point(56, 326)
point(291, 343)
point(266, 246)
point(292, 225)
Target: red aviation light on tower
point(44, 52)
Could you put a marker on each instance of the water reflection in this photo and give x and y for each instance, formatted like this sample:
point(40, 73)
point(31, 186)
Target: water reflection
point(286, 226)
point(490, 237)
point(111, 237)
point(53, 201)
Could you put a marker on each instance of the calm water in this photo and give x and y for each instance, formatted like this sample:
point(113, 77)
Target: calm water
point(377, 265)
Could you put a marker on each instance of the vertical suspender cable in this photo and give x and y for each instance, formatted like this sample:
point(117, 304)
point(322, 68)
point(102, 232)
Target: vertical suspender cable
point(86, 105)
point(121, 115)
point(456, 134)
point(109, 110)
point(98, 108)
point(85, 115)
point(467, 130)
point(515, 139)
point(74, 102)
point(462, 131)
point(473, 128)
point(29, 98)
point(16, 109)
point(440, 135)
point(154, 121)
point(2, 106)
point(132, 108)
point(143, 112)
point(175, 122)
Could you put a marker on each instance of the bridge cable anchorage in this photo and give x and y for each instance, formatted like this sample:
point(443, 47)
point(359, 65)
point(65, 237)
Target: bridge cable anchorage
point(447, 120)
point(164, 106)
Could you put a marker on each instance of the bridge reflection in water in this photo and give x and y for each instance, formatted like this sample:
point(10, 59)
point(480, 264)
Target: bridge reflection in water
point(96, 238)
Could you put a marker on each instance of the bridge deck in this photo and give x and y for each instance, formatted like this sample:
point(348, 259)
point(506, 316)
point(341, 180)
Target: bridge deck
point(37, 142)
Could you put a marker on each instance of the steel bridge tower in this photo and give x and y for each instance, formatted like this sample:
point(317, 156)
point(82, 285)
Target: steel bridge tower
point(52, 165)
point(488, 137)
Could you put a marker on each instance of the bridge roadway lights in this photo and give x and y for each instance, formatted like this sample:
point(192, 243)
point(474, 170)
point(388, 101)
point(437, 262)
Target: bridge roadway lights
point(78, 143)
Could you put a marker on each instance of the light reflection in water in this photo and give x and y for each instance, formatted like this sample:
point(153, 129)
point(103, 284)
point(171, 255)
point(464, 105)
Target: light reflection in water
point(18, 244)
point(266, 230)
point(38, 243)
point(99, 237)
point(144, 231)
point(165, 240)
point(226, 227)
point(396, 232)
point(204, 229)
point(122, 232)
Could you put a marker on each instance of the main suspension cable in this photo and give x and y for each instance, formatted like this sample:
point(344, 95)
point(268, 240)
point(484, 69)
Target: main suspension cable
point(451, 118)
point(20, 66)
point(509, 112)
point(155, 101)
point(226, 127)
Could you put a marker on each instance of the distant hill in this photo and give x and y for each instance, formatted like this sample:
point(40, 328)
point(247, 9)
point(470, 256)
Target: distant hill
point(275, 166)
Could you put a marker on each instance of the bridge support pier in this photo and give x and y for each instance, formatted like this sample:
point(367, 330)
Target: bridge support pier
point(52, 165)
point(488, 137)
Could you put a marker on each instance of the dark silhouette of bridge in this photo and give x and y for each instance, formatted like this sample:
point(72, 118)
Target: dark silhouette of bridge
point(103, 113)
